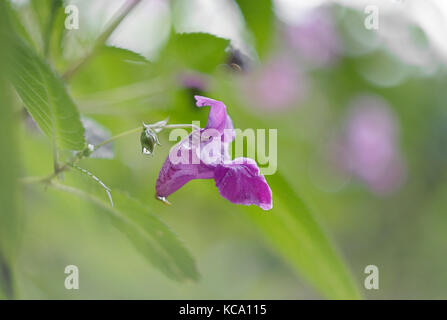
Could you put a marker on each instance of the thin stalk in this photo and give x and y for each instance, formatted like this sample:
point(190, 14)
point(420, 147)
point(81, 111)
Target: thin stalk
point(81, 154)
point(50, 177)
point(123, 134)
point(115, 22)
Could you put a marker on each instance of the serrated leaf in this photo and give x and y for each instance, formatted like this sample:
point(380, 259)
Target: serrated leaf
point(150, 236)
point(259, 18)
point(45, 97)
point(294, 232)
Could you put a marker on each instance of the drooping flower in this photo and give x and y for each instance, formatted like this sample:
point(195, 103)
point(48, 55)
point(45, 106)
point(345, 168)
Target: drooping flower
point(204, 155)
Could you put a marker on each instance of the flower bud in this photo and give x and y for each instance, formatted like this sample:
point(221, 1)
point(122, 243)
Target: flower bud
point(148, 141)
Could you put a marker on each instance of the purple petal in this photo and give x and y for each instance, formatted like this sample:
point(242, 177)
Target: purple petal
point(173, 175)
point(217, 118)
point(239, 180)
point(241, 183)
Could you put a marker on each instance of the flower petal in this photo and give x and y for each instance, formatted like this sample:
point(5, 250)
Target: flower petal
point(217, 118)
point(180, 167)
point(240, 182)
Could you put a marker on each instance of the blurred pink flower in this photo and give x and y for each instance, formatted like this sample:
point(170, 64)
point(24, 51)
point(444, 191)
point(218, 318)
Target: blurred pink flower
point(314, 38)
point(194, 80)
point(371, 145)
point(278, 85)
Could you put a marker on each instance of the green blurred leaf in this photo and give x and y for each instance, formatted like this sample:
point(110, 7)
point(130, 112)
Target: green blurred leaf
point(42, 12)
point(45, 97)
point(150, 236)
point(202, 52)
point(16, 24)
point(10, 218)
point(110, 68)
point(292, 229)
point(45, 14)
point(259, 18)
point(54, 32)
point(116, 81)
point(9, 213)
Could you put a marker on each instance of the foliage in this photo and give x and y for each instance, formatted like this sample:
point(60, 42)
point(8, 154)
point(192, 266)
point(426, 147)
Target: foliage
point(119, 89)
point(259, 18)
point(45, 97)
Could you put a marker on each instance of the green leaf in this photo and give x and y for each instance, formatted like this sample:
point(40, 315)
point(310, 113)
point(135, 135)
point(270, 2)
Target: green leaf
point(45, 97)
point(202, 52)
point(10, 217)
point(259, 18)
point(150, 236)
point(115, 81)
point(110, 68)
point(16, 24)
point(292, 229)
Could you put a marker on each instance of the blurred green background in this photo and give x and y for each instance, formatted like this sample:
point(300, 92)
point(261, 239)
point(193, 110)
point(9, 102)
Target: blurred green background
point(362, 147)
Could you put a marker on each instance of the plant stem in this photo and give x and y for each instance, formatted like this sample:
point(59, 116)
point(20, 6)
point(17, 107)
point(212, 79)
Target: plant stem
point(125, 133)
point(81, 154)
point(59, 169)
point(115, 22)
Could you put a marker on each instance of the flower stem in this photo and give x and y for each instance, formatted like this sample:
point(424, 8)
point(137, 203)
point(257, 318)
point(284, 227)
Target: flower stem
point(81, 154)
point(123, 134)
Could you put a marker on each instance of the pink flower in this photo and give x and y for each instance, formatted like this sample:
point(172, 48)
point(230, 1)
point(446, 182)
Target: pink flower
point(203, 155)
point(194, 81)
point(315, 38)
point(277, 86)
point(372, 151)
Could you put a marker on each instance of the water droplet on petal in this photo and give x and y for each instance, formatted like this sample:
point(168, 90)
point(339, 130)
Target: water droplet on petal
point(163, 199)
